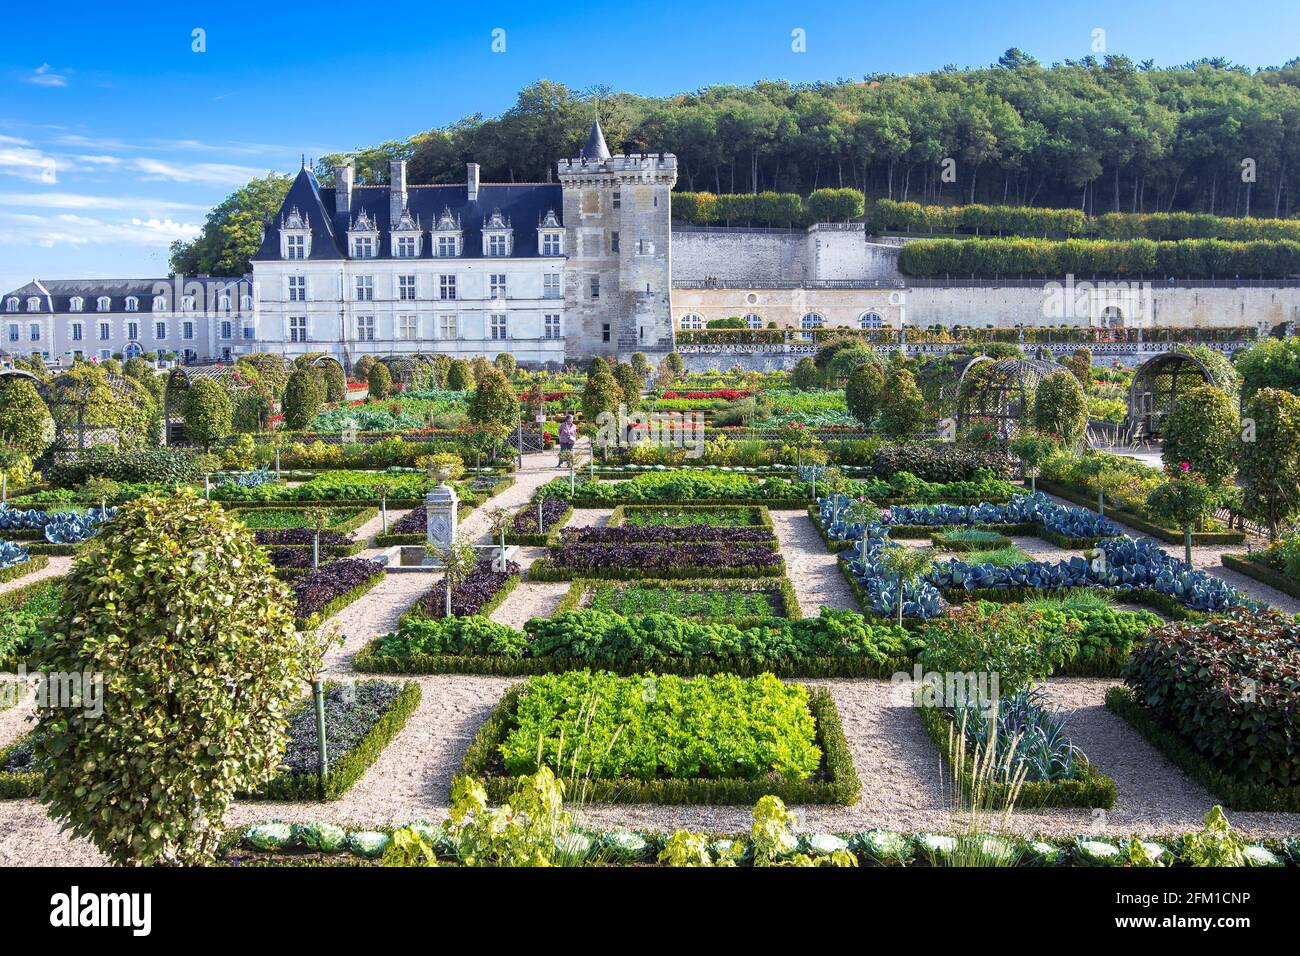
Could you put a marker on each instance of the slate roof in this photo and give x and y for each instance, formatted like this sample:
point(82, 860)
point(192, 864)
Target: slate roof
point(60, 292)
point(524, 204)
point(595, 148)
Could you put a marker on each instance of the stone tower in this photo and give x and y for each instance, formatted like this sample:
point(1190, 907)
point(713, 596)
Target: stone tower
point(617, 220)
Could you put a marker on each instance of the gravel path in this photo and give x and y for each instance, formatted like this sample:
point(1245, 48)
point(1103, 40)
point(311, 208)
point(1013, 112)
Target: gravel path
point(809, 566)
point(57, 567)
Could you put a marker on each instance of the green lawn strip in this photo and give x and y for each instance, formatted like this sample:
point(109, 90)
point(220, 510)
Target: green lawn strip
point(346, 770)
point(836, 783)
point(269, 518)
point(1088, 788)
point(1262, 573)
point(1173, 746)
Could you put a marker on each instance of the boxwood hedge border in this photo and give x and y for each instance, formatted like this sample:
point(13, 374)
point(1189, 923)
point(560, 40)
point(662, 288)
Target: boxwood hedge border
point(1235, 795)
point(36, 561)
point(839, 784)
point(572, 599)
point(15, 786)
point(1262, 573)
point(1139, 522)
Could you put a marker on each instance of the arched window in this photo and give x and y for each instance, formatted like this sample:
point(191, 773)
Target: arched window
point(34, 304)
point(103, 304)
point(160, 303)
point(187, 303)
point(132, 303)
point(691, 321)
point(76, 303)
point(811, 320)
point(870, 320)
point(133, 350)
point(246, 303)
point(754, 321)
point(223, 303)
point(11, 304)
point(1112, 317)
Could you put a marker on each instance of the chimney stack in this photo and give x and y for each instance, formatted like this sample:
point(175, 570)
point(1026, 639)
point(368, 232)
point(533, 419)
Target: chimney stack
point(396, 191)
point(343, 190)
point(471, 178)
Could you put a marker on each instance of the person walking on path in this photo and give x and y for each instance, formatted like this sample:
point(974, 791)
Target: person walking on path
point(568, 436)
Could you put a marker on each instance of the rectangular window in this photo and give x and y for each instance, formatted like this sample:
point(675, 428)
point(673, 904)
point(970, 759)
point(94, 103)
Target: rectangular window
point(446, 287)
point(551, 285)
point(13, 333)
point(297, 288)
point(295, 247)
point(363, 247)
point(407, 326)
point(618, 204)
point(551, 244)
point(595, 287)
point(551, 326)
point(104, 356)
point(248, 331)
point(497, 327)
point(406, 288)
point(105, 332)
point(35, 332)
point(604, 332)
point(497, 285)
point(228, 332)
point(496, 246)
point(446, 247)
point(613, 242)
point(365, 289)
point(447, 327)
point(365, 331)
point(297, 328)
point(187, 332)
point(76, 334)
point(160, 330)
point(132, 331)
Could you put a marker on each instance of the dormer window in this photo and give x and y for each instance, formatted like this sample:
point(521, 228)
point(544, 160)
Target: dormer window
point(295, 235)
point(132, 304)
point(187, 303)
point(447, 235)
point(246, 303)
point(103, 304)
point(34, 304)
point(160, 303)
point(406, 237)
point(550, 235)
point(76, 304)
point(498, 235)
point(363, 236)
point(11, 304)
point(223, 303)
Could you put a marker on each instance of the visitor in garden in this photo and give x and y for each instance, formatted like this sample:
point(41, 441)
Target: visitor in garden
point(568, 436)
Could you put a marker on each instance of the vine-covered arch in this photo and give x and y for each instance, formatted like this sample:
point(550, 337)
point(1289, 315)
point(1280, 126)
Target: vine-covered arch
point(1156, 385)
point(1004, 395)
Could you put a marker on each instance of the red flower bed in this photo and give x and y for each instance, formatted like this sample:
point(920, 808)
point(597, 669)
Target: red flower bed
point(724, 394)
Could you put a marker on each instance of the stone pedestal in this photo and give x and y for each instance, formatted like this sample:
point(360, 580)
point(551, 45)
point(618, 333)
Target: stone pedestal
point(440, 506)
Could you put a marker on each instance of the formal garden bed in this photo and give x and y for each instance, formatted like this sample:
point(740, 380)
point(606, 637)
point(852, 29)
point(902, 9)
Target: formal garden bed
point(478, 593)
point(524, 525)
point(644, 739)
point(18, 777)
point(322, 593)
point(740, 602)
point(719, 516)
point(21, 611)
point(833, 644)
point(616, 561)
point(1268, 567)
point(361, 719)
point(23, 562)
point(1140, 521)
point(342, 520)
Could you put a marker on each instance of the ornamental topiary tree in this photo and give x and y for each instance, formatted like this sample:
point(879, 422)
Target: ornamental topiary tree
point(903, 409)
point(182, 614)
point(1186, 502)
point(674, 361)
point(1061, 408)
point(494, 401)
point(459, 376)
point(303, 396)
point(805, 376)
point(1270, 458)
point(631, 384)
point(379, 381)
point(1203, 429)
point(863, 391)
point(209, 413)
point(1272, 363)
point(505, 363)
point(25, 422)
point(336, 383)
point(361, 368)
point(601, 394)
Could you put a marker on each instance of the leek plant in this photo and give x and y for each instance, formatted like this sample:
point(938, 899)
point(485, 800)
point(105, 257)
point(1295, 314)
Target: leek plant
point(985, 787)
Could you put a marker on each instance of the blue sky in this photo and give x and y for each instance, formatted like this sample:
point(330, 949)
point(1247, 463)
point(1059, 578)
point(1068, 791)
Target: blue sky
point(116, 137)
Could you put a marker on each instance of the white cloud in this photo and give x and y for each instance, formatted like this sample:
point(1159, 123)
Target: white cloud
point(44, 75)
point(67, 229)
point(216, 174)
point(26, 162)
point(61, 200)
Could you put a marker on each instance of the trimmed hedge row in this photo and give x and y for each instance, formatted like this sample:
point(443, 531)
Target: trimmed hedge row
point(1233, 794)
point(1145, 525)
point(15, 786)
point(36, 561)
point(352, 766)
point(1090, 789)
point(1262, 573)
point(838, 782)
